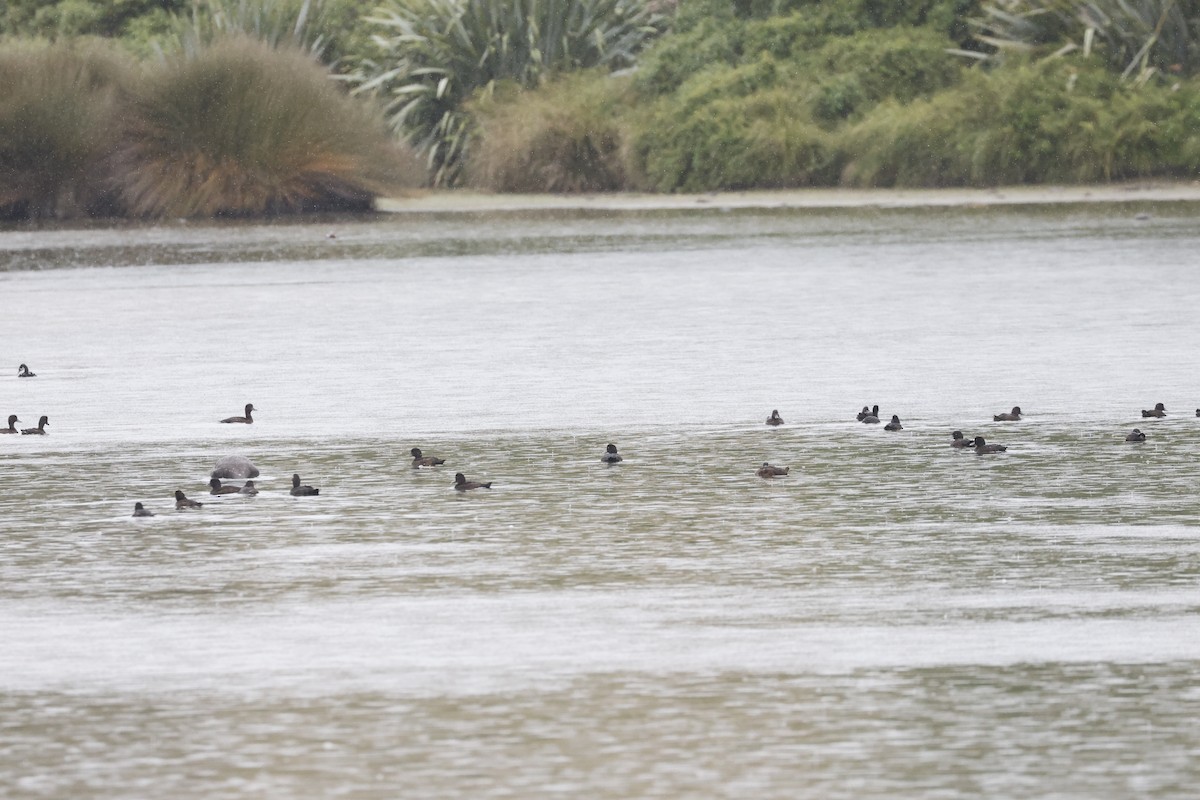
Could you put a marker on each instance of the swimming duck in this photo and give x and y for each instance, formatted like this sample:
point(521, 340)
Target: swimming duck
point(249, 420)
point(1011, 416)
point(1198, 412)
point(864, 413)
point(894, 425)
point(424, 461)
point(182, 502)
point(1159, 411)
point(959, 441)
point(12, 424)
point(140, 510)
point(871, 418)
point(983, 447)
point(23, 372)
point(461, 484)
point(1136, 436)
point(774, 419)
point(768, 471)
point(249, 488)
point(217, 488)
point(302, 491)
point(234, 468)
point(610, 455)
point(40, 429)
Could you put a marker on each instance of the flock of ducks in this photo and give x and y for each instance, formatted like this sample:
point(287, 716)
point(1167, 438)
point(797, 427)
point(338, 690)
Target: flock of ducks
point(870, 416)
point(867, 416)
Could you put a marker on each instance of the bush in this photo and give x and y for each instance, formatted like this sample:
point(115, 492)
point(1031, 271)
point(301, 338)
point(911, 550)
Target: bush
point(243, 129)
point(564, 137)
point(57, 127)
point(760, 140)
point(1047, 122)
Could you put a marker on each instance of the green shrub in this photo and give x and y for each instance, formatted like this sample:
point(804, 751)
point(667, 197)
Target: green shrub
point(762, 140)
point(67, 18)
point(1047, 122)
point(57, 127)
point(240, 128)
point(440, 53)
point(564, 137)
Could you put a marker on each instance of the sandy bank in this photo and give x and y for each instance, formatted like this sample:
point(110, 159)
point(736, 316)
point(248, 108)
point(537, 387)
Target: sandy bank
point(461, 200)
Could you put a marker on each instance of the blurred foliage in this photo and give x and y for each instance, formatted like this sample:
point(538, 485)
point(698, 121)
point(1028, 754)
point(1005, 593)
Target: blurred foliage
point(1138, 37)
point(58, 127)
point(239, 127)
point(565, 137)
point(1046, 122)
point(437, 54)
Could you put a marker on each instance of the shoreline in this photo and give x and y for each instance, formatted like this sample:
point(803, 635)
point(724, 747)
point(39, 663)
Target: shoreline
point(461, 200)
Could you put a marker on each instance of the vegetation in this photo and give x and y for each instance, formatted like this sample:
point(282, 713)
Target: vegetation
point(1047, 122)
point(1137, 37)
point(231, 112)
point(241, 128)
point(563, 138)
point(438, 54)
point(57, 128)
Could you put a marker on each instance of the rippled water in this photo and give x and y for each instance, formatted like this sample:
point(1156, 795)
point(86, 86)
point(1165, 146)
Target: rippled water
point(892, 619)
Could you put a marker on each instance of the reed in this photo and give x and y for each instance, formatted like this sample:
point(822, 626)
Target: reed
point(240, 128)
point(58, 128)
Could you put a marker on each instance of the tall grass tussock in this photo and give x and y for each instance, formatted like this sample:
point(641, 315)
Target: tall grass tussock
point(567, 137)
point(58, 127)
point(241, 128)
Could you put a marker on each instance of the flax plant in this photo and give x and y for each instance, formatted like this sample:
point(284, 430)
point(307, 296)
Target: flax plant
point(1138, 37)
point(438, 54)
point(301, 24)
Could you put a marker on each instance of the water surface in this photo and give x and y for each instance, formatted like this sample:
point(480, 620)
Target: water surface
point(892, 619)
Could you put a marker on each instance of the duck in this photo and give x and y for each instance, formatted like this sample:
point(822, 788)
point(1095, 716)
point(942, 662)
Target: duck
point(424, 461)
point(12, 424)
point(181, 502)
point(871, 418)
point(217, 488)
point(1011, 416)
point(769, 471)
point(302, 491)
point(234, 468)
point(40, 429)
point(248, 488)
point(894, 425)
point(1198, 412)
point(23, 372)
point(610, 455)
point(248, 420)
point(461, 484)
point(1136, 436)
point(866, 412)
point(1159, 411)
point(140, 510)
point(957, 440)
point(775, 419)
point(983, 447)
